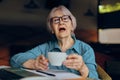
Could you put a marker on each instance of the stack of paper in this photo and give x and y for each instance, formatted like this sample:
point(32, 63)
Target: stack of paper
point(58, 74)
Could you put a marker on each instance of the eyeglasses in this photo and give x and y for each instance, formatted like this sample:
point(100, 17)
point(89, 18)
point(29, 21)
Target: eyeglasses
point(64, 18)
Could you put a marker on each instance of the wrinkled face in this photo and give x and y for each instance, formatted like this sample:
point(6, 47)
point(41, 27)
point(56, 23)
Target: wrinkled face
point(61, 25)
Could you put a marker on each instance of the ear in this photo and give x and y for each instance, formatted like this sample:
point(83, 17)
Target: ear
point(72, 29)
point(52, 31)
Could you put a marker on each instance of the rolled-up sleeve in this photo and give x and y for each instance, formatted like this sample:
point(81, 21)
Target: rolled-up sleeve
point(89, 59)
point(18, 59)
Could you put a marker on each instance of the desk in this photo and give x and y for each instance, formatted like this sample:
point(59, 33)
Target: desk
point(26, 73)
point(48, 78)
point(80, 79)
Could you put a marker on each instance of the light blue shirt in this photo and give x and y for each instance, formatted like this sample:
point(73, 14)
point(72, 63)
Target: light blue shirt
point(79, 48)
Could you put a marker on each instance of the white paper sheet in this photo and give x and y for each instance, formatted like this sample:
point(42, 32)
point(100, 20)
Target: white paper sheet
point(59, 74)
point(3, 66)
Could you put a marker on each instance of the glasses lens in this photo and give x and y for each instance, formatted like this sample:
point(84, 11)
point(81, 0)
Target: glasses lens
point(56, 20)
point(65, 18)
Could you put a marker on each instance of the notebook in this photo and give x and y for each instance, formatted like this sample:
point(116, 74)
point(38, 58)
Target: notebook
point(15, 74)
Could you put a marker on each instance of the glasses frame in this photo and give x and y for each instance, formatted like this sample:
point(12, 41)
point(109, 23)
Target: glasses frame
point(60, 18)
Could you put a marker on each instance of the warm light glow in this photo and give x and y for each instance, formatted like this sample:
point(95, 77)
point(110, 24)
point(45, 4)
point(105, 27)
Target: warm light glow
point(109, 36)
point(100, 30)
point(109, 8)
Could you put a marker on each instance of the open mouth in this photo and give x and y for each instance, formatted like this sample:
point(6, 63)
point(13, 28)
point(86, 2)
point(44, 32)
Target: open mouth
point(62, 29)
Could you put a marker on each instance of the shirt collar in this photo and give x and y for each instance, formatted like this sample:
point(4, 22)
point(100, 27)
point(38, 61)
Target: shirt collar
point(76, 44)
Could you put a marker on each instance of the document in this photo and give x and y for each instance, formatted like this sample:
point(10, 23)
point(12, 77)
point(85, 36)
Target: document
point(3, 66)
point(58, 74)
point(48, 74)
point(61, 74)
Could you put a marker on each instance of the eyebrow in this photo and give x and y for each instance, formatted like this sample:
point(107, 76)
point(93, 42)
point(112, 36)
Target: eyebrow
point(59, 16)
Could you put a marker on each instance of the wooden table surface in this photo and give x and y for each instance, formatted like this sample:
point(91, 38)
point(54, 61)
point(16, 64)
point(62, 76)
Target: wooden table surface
point(80, 79)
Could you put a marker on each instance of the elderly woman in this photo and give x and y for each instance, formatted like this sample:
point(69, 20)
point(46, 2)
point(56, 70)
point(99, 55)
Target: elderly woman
point(80, 60)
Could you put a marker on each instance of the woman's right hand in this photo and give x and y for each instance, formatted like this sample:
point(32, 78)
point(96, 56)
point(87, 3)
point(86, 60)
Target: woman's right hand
point(40, 63)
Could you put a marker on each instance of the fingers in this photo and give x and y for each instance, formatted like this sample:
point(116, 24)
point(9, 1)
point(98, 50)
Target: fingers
point(41, 59)
point(74, 61)
point(72, 56)
point(41, 63)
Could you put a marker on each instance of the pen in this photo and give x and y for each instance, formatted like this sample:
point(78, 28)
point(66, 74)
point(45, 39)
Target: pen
point(50, 74)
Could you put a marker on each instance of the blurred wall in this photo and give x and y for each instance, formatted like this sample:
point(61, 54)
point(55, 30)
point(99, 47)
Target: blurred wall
point(13, 12)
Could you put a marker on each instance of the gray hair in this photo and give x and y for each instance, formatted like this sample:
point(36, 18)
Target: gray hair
point(66, 12)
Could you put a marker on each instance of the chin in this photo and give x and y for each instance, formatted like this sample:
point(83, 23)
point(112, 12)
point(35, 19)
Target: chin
point(63, 36)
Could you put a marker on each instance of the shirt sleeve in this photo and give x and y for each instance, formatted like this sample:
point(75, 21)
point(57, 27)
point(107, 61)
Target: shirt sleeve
point(18, 59)
point(89, 59)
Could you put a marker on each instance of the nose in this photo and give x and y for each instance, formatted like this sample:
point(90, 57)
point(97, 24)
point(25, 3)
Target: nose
point(61, 21)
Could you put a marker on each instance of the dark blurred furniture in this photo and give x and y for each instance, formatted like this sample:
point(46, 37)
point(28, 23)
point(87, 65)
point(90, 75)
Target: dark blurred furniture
point(113, 68)
point(103, 75)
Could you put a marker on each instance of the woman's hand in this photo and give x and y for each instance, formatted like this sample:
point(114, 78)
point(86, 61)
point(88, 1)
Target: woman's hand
point(40, 63)
point(75, 61)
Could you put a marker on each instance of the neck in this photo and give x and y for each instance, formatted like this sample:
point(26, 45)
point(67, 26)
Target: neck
point(65, 43)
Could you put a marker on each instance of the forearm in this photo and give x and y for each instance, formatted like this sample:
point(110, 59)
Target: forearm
point(84, 71)
point(29, 64)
